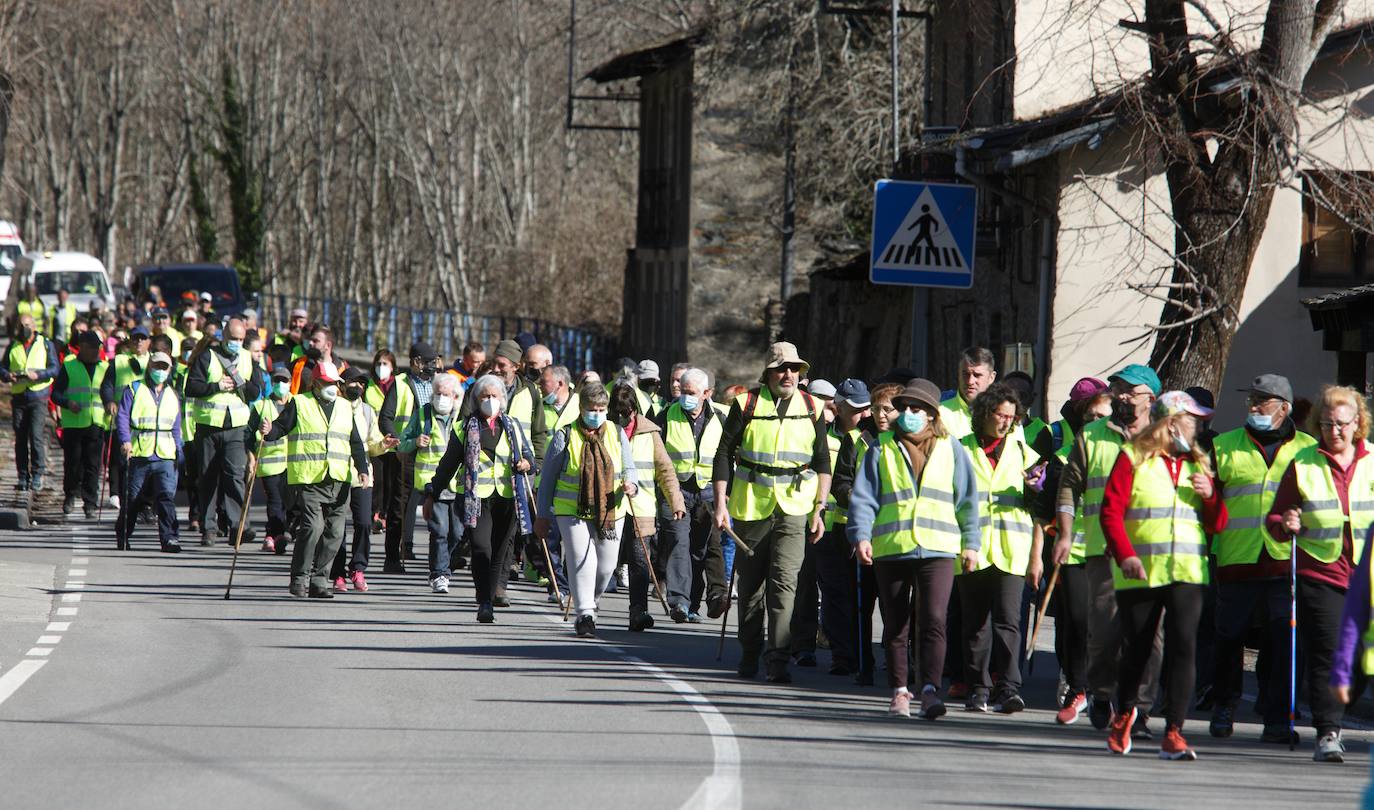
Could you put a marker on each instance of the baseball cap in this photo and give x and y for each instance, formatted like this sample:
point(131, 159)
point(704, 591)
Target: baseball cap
point(161, 312)
point(1171, 403)
point(140, 331)
point(353, 374)
point(281, 373)
point(205, 296)
point(1136, 374)
point(190, 314)
point(821, 389)
point(853, 393)
point(423, 350)
point(648, 370)
point(1271, 385)
point(326, 371)
point(299, 312)
point(1086, 388)
point(160, 357)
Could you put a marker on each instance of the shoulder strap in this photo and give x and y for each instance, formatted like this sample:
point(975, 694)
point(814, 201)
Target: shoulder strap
point(429, 419)
point(750, 403)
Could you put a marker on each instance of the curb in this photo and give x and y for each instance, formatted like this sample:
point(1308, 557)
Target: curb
point(14, 520)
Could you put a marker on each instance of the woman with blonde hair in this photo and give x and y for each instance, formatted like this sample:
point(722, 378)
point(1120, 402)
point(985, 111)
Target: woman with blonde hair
point(1325, 507)
point(1159, 505)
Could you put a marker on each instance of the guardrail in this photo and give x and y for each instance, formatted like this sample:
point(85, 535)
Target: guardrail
point(368, 326)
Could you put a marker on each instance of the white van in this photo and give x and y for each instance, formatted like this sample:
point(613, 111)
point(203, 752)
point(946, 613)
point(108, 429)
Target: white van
point(80, 274)
point(11, 248)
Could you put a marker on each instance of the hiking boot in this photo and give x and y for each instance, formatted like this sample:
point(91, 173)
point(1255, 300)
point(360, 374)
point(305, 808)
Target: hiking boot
point(340, 585)
point(1223, 721)
point(640, 621)
point(1100, 713)
point(806, 659)
point(359, 582)
point(1119, 733)
point(678, 614)
point(585, 626)
point(298, 590)
point(931, 705)
point(1175, 747)
point(900, 705)
point(958, 690)
point(1329, 748)
point(1009, 703)
point(977, 701)
point(1279, 734)
point(1073, 708)
point(439, 584)
point(268, 544)
point(485, 614)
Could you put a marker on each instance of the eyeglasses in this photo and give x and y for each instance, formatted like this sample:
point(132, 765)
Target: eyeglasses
point(1339, 426)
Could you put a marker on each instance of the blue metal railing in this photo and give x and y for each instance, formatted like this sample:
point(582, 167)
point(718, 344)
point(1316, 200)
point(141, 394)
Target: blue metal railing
point(368, 326)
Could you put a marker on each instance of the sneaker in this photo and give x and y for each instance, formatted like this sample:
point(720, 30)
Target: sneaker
point(693, 617)
point(68, 504)
point(359, 582)
point(678, 614)
point(500, 600)
point(1279, 734)
point(1223, 721)
point(1329, 748)
point(641, 621)
point(977, 701)
point(806, 659)
point(91, 512)
point(1119, 734)
point(715, 606)
point(622, 576)
point(268, 544)
point(1100, 713)
point(439, 584)
point(900, 705)
point(340, 585)
point(321, 593)
point(585, 626)
point(931, 705)
point(37, 483)
point(1175, 747)
point(553, 599)
point(114, 501)
point(1009, 703)
point(1072, 709)
point(958, 690)
point(170, 547)
point(297, 590)
point(485, 614)
point(207, 538)
point(1141, 729)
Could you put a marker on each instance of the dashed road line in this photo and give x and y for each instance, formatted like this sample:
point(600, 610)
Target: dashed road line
point(38, 655)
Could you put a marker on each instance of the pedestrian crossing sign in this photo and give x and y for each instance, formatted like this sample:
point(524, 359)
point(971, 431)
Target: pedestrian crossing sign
point(923, 234)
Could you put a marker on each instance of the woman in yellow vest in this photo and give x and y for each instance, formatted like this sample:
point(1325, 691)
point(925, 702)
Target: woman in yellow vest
point(1008, 472)
point(588, 473)
point(350, 565)
point(148, 427)
point(491, 499)
point(1326, 502)
point(322, 444)
point(914, 510)
point(428, 437)
point(84, 420)
point(1159, 505)
point(271, 461)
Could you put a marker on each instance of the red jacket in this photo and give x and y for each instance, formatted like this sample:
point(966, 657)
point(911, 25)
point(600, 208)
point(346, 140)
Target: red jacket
point(1333, 573)
point(1117, 498)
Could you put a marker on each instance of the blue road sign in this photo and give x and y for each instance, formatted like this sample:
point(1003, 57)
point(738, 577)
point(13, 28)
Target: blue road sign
point(923, 234)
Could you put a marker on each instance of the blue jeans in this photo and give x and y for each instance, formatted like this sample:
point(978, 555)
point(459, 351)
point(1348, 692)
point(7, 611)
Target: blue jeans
point(159, 478)
point(445, 533)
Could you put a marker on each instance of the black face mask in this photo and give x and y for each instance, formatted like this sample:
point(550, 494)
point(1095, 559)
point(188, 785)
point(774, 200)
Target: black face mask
point(426, 372)
point(24, 333)
point(623, 420)
point(649, 387)
point(353, 392)
point(1123, 412)
point(312, 353)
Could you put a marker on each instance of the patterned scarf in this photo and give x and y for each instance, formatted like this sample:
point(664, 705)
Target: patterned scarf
point(472, 459)
point(596, 490)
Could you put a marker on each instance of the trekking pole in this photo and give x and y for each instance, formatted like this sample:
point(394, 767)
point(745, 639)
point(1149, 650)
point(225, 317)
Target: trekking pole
point(730, 589)
point(1040, 619)
point(647, 562)
point(1292, 639)
point(243, 521)
point(104, 477)
point(544, 544)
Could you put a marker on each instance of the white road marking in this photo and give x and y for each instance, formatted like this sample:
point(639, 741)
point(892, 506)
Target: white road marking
point(80, 560)
point(48, 640)
point(66, 611)
point(71, 597)
point(20, 672)
point(77, 573)
point(74, 586)
point(58, 627)
point(38, 651)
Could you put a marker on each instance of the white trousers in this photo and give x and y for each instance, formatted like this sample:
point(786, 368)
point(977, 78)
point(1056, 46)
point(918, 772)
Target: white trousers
point(590, 561)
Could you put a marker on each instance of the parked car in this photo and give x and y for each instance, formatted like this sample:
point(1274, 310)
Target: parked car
point(11, 248)
point(80, 274)
point(173, 280)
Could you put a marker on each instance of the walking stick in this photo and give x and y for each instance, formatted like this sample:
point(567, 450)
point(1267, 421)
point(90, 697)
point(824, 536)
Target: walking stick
point(548, 558)
point(647, 562)
point(1292, 638)
point(243, 521)
point(730, 589)
point(104, 477)
point(1040, 619)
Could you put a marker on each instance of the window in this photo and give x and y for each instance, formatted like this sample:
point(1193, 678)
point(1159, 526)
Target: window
point(1335, 254)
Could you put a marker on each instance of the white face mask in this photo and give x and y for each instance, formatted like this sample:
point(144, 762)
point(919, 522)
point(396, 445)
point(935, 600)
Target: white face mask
point(383, 371)
point(491, 407)
point(329, 393)
point(443, 404)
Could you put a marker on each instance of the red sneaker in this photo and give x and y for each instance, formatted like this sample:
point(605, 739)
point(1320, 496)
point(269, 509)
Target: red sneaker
point(359, 582)
point(1175, 747)
point(1119, 733)
point(958, 690)
point(1073, 707)
point(340, 585)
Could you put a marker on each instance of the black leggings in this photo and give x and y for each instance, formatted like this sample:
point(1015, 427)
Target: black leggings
point(489, 538)
point(1139, 610)
point(1072, 598)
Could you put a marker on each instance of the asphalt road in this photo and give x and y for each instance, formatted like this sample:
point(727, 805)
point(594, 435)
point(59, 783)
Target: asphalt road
point(127, 680)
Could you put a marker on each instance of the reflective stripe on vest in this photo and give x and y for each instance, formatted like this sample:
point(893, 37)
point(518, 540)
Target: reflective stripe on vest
point(1323, 520)
point(211, 410)
point(565, 491)
point(907, 518)
point(778, 443)
point(1164, 524)
point(152, 419)
point(318, 448)
point(835, 515)
point(690, 460)
point(1103, 445)
point(271, 455)
point(1248, 486)
point(21, 362)
point(1003, 519)
point(125, 373)
point(83, 390)
point(644, 502)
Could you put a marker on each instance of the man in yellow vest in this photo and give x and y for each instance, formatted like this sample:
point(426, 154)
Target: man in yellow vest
point(404, 399)
point(1252, 567)
point(190, 326)
point(83, 416)
point(148, 427)
point(32, 306)
point(30, 366)
point(323, 451)
point(271, 461)
point(1078, 505)
point(162, 325)
point(130, 364)
point(560, 402)
point(774, 459)
point(977, 370)
point(61, 318)
point(222, 384)
point(692, 558)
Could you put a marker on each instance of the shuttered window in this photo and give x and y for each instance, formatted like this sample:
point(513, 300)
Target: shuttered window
point(1338, 217)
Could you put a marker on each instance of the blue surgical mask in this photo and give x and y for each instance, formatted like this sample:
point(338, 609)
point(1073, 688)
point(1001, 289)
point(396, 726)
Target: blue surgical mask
point(594, 419)
point(233, 346)
point(912, 422)
point(1182, 446)
point(551, 399)
point(689, 403)
point(158, 375)
point(1262, 422)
